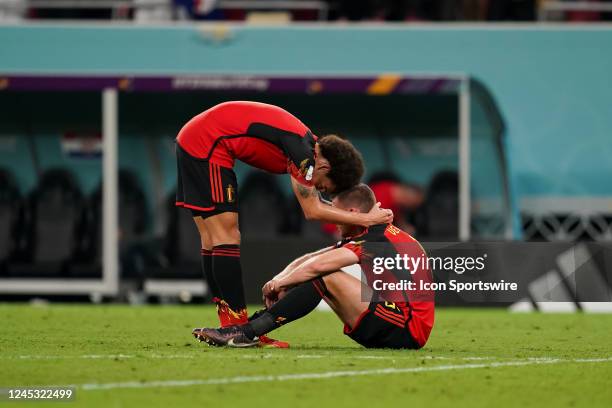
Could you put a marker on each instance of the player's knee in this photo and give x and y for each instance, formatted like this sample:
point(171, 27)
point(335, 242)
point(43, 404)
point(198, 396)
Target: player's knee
point(226, 236)
point(331, 277)
point(332, 281)
point(206, 241)
point(233, 234)
point(205, 237)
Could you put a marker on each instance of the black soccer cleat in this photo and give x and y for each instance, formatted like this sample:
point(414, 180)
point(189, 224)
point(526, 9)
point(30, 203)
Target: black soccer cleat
point(232, 336)
point(196, 332)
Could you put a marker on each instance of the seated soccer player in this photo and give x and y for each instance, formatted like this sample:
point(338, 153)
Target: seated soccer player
point(268, 138)
point(374, 317)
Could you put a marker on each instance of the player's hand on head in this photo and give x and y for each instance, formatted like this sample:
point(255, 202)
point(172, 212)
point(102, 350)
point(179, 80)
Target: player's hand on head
point(379, 215)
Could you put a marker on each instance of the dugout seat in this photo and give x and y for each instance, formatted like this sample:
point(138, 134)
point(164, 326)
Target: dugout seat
point(11, 206)
point(263, 208)
point(132, 226)
point(439, 215)
point(53, 219)
point(179, 256)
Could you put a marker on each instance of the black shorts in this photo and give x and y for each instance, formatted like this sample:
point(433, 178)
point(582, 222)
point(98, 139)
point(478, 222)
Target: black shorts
point(383, 325)
point(204, 187)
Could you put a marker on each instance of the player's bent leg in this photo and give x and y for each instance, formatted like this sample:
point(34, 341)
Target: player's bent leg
point(231, 308)
point(297, 303)
point(223, 228)
point(373, 325)
point(265, 341)
point(226, 269)
point(345, 295)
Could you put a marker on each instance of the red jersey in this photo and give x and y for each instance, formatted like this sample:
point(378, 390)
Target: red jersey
point(265, 136)
point(388, 241)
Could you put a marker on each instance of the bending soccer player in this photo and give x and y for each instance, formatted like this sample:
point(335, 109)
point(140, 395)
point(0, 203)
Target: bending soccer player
point(374, 317)
point(269, 138)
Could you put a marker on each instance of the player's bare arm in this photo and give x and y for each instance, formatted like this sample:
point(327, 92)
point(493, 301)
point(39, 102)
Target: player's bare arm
point(314, 209)
point(314, 267)
point(299, 261)
point(290, 268)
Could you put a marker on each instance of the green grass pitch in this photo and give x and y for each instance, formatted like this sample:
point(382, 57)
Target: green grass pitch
point(145, 356)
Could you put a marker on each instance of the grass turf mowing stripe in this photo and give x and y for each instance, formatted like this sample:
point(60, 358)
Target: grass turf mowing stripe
point(329, 374)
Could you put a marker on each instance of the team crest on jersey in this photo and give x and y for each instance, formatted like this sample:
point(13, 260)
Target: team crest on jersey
point(306, 170)
point(231, 194)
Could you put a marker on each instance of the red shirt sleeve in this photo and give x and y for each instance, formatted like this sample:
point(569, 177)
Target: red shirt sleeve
point(303, 174)
point(301, 157)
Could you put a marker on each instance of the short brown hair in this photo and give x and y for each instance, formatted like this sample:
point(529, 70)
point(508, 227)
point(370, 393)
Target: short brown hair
point(360, 196)
point(344, 159)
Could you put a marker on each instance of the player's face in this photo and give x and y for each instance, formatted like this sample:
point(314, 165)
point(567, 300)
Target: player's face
point(322, 182)
point(319, 178)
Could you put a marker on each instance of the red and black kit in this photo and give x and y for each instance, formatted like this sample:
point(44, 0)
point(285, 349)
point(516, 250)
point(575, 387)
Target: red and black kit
point(264, 136)
point(398, 319)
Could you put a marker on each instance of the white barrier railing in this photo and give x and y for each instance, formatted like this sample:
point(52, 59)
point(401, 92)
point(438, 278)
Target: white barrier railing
point(564, 6)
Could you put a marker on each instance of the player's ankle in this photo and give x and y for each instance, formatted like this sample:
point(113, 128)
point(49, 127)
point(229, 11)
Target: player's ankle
point(263, 324)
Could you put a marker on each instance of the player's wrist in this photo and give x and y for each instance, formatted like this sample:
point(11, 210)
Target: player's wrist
point(365, 219)
point(280, 285)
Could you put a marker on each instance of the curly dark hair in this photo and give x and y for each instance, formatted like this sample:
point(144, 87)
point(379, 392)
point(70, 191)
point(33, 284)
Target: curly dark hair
point(345, 161)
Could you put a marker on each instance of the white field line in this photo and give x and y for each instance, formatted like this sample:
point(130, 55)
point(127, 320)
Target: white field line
point(247, 356)
point(327, 374)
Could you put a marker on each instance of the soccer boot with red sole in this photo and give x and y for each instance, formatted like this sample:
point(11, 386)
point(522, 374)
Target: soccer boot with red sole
point(265, 341)
point(232, 336)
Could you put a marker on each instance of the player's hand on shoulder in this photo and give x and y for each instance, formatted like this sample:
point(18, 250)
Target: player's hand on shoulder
point(379, 215)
